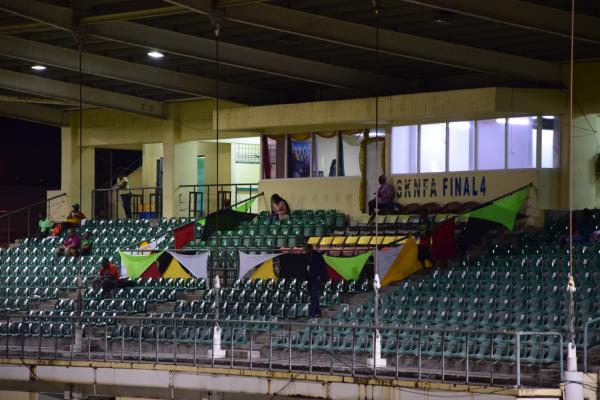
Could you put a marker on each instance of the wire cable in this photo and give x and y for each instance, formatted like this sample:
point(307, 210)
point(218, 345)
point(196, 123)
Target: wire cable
point(571, 310)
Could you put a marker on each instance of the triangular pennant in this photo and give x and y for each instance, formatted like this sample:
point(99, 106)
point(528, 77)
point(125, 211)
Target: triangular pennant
point(443, 244)
point(386, 257)
point(245, 206)
point(249, 261)
point(184, 234)
point(136, 265)
point(163, 261)
point(348, 267)
point(151, 272)
point(265, 271)
point(145, 245)
point(333, 275)
point(404, 265)
point(503, 210)
point(175, 271)
point(196, 264)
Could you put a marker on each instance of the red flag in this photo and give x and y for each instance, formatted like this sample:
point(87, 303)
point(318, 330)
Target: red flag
point(151, 272)
point(333, 275)
point(184, 234)
point(443, 244)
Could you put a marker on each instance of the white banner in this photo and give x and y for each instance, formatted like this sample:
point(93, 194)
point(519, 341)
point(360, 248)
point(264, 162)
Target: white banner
point(195, 263)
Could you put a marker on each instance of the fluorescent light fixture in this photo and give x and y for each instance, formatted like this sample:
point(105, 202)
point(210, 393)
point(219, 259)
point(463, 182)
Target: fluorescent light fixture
point(460, 125)
point(548, 116)
point(38, 67)
point(519, 121)
point(501, 120)
point(156, 54)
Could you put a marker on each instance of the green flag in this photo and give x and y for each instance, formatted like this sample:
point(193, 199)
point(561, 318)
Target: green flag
point(136, 265)
point(348, 267)
point(245, 207)
point(503, 210)
point(201, 221)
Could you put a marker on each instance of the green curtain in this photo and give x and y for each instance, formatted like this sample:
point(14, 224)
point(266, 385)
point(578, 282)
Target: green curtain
point(348, 267)
point(136, 265)
point(503, 210)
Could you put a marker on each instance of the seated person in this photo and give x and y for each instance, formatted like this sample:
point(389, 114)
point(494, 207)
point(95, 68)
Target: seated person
point(45, 225)
point(385, 197)
point(280, 209)
point(110, 277)
point(74, 217)
point(86, 244)
point(70, 245)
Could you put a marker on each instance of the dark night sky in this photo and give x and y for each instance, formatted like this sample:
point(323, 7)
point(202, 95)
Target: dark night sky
point(29, 154)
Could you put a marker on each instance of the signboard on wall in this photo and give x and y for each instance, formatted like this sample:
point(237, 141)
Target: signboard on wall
point(468, 186)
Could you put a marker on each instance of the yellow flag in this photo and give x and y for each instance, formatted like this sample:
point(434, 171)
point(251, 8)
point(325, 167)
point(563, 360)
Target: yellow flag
point(174, 270)
point(404, 265)
point(265, 271)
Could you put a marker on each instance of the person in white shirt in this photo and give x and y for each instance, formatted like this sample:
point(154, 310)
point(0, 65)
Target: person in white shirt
point(123, 186)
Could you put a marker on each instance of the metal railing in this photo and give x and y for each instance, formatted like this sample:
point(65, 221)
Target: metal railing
point(146, 202)
point(205, 199)
point(586, 341)
point(23, 218)
point(331, 348)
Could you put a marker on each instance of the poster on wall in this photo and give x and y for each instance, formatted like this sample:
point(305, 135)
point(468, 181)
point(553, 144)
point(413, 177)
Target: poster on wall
point(299, 159)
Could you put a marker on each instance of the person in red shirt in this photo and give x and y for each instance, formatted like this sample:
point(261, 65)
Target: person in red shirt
point(109, 276)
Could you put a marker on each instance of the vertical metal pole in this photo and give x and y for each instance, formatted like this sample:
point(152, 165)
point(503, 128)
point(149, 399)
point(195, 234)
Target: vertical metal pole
point(562, 370)
point(89, 346)
point(310, 349)
point(122, 342)
point(492, 358)
point(175, 334)
point(397, 346)
point(105, 341)
point(270, 345)
point(518, 356)
point(331, 348)
point(196, 331)
point(7, 324)
point(39, 342)
point(156, 333)
point(232, 338)
point(353, 351)
point(585, 348)
point(140, 348)
point(443, 355)
point(467, 359)
point(419, 355)
point(251, 341)
point(290, 348)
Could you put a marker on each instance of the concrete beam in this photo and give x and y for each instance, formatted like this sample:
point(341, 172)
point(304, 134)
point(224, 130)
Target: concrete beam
point(524, 15)
point(204, 49)
point(126, 71)
point(390, 42)
point(33, 112)
point(36, 85)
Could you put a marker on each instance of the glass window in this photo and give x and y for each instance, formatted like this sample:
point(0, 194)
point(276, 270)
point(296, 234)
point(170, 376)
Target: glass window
point(461, 146)
point(404, 149)
point(522, 142)
point(273, 157)
point(433, 148)
point(550, 142)
point(349, 154)
point(299, 156)
point(324, 157)
point(490, 143)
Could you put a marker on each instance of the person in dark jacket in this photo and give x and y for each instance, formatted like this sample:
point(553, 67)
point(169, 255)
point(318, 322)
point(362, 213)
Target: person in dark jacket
point(316, 274)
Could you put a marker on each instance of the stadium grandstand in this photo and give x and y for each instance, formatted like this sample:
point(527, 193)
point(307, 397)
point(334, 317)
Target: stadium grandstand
point(328, 199)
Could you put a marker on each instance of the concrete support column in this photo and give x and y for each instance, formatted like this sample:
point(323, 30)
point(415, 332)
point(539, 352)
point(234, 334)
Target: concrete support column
point(168, 187)
point(78, 190)
point(186, 173)
point(585, 148)
point(151, 152)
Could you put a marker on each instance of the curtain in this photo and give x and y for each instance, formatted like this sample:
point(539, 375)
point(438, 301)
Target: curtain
point(266, 157)
point(340, 159)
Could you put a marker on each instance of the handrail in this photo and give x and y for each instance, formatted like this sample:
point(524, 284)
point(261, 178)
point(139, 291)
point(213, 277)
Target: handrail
point(131, 188)
point(8, 214)
point(585, 342)
point(220, 184)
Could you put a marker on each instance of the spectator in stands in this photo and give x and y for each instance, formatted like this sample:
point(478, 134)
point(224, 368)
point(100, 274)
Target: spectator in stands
point(316, 274)
point(109, 276)
point(70, 245)
point(424, 244)
point(45, 225)
point(585, 224)
point(86, 244)
point(279, 207)
point(73, 218)
point(385, 197)
point(125, 192)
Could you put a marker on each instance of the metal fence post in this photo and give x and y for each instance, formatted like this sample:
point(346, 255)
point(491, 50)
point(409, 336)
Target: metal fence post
point(310, 349)
point(518, 356)
point(585, 347)
point(467, 359)
point(420, 358)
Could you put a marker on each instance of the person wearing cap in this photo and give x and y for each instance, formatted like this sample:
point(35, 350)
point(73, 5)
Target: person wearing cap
point(125, 192)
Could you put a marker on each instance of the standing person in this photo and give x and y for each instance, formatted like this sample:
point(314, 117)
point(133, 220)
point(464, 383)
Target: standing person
point(279, 208)
point(316, 274)
point(70, 245)
point(125, 192)
point(385, 197)
point(45, 225)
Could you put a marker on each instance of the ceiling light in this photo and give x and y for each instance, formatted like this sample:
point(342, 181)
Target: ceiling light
point(156, 54)
point(38, 67)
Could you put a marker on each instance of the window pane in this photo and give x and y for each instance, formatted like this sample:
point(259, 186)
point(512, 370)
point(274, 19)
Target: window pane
point(461, 149)
point(522, 142)
point(433, 148)
point(273, 155)
point(299, 153)
point(351, 151)
point(490, 144)
point(324, 162)
point(404, 149)
point(550, 142)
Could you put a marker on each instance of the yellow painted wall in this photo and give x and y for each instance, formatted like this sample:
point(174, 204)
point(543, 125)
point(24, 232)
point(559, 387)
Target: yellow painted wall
point(316, 193)
point(10, 395)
